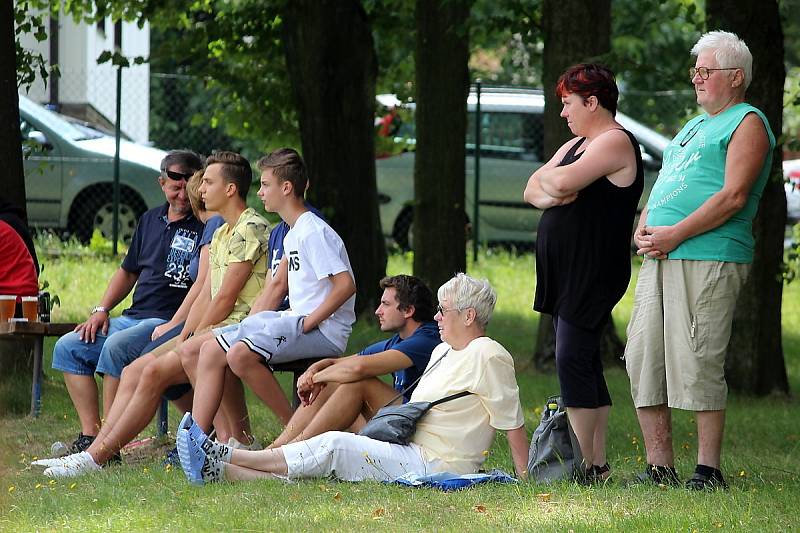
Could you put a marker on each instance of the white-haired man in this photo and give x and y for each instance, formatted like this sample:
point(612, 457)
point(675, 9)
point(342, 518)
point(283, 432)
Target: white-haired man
point(696, 236)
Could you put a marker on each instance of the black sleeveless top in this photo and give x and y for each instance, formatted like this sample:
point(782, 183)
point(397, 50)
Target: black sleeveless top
point(583, 254)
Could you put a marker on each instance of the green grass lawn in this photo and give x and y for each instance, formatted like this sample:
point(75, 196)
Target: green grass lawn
point(761, 453)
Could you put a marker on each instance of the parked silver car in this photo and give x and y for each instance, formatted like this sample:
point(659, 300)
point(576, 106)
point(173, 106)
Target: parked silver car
point(512, 145)
point(69, 172)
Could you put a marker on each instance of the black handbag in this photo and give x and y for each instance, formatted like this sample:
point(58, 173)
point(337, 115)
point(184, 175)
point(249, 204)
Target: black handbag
point(397, 423)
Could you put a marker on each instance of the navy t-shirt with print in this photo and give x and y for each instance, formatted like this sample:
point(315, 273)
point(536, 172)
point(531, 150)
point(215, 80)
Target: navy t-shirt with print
point(160, 254)
point(275, 247)
point(417, 347)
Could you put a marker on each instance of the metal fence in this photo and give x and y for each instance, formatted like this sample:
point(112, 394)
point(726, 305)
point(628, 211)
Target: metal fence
point(72, 189)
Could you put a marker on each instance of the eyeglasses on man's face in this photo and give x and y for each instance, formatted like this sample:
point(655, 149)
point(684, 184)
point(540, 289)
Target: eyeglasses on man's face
point(171, 174)
point(705, 72)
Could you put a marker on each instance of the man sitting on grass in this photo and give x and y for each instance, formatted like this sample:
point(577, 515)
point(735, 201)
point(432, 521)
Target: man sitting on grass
point(321, 290)
point(237, 269)
point(336, 393)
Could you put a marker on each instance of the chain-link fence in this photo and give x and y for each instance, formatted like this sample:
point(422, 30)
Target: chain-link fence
point(70, 168)
point(70, 148)
point(70, 145)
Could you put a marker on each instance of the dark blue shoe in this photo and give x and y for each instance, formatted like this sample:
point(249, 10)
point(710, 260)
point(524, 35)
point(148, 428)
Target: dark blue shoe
point(172, 458)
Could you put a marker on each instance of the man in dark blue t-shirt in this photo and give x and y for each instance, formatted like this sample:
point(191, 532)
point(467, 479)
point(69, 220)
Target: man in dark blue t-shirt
point(337, 394)
point(157, 265)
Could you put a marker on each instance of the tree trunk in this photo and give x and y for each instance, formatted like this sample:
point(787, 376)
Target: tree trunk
point(574, 32)
point(755, 362)
point(10, 145)
point(332, 68)
point(442, 76)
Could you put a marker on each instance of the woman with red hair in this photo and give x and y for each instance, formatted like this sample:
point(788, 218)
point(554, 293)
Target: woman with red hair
point(589, 192)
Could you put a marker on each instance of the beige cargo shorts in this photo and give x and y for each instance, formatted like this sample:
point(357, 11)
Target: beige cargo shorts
point(679, 332)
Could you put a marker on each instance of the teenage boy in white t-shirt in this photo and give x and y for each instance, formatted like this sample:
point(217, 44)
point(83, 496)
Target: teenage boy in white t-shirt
point(321, 289)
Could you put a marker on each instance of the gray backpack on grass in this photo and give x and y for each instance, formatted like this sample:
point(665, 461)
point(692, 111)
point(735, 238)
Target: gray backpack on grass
point(555, 454)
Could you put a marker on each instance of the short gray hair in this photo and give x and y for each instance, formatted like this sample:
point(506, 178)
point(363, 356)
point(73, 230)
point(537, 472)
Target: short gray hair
point(729, 50)
point(188, 160)
point(463, 292)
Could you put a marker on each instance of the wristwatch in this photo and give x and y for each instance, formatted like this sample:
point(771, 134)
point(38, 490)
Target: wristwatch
point(99, 309)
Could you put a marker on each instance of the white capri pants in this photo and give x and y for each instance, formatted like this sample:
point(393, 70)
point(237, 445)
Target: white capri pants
point(352, 457)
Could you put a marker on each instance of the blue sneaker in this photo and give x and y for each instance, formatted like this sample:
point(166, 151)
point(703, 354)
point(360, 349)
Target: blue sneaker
point(195, 432)
point(192, 457)
point(186, 422)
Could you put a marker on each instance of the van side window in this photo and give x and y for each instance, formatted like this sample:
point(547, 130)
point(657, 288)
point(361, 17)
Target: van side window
point(507, 135)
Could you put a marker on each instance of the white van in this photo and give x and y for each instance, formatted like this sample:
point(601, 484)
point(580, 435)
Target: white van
point(512, 144)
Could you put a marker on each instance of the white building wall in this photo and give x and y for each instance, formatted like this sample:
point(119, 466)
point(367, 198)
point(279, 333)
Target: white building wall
point(102, 79)
point(83, 81)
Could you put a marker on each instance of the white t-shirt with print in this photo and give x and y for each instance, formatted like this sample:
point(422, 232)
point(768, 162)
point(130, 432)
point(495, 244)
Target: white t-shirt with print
point(314, 253)
point(455, 435)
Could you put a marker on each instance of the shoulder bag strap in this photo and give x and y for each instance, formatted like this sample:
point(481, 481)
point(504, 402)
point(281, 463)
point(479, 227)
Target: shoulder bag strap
point(430, 367)
point(451, 397)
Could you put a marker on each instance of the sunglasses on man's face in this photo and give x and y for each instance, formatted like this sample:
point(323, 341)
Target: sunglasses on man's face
point(171, 174)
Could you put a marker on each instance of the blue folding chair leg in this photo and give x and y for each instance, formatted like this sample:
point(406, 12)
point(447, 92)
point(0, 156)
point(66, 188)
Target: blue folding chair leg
point(163, 422)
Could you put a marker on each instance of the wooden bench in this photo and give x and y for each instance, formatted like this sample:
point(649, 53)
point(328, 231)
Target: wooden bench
point(36, 331)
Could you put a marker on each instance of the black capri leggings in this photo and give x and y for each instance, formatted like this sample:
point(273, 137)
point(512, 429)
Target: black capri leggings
point(580, 370)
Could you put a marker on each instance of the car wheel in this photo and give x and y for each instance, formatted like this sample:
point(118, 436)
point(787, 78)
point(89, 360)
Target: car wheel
point(402, 232)
point(95, 210)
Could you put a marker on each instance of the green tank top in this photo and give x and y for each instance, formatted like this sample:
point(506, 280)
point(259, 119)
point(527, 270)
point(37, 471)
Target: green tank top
point(693, 170)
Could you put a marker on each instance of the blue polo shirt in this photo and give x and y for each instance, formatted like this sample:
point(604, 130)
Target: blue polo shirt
point(160, 254)
point(417, 347)
point(275, 247)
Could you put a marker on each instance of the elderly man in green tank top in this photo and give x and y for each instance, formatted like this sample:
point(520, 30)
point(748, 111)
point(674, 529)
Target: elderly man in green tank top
point(697, 240)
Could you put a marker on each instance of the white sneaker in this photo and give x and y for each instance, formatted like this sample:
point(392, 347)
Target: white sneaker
point(80, 465)
point(55, 461)
point(236, 445)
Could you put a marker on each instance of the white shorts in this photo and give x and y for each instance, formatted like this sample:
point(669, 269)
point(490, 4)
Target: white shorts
point(277, 336)
point(352, 457)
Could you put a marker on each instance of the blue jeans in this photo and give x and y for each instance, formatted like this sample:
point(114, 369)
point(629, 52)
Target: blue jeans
point(108, 354)
point(176, 391)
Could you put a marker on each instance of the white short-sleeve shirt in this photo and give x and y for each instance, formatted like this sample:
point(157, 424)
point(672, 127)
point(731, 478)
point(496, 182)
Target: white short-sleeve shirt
point(458, 432)
point(314, 253)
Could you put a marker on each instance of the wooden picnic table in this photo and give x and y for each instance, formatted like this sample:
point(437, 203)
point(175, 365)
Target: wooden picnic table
point(36, 331)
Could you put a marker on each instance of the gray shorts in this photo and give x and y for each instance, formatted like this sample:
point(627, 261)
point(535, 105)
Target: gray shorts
point(679, 331)
point(277, 336)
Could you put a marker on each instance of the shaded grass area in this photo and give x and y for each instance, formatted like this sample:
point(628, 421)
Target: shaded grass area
point(761, 455)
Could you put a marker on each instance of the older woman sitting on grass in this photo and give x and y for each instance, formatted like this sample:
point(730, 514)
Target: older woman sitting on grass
point(452, 436)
